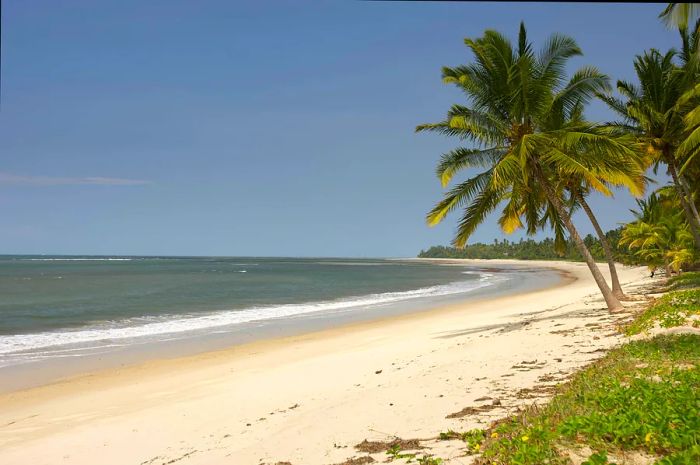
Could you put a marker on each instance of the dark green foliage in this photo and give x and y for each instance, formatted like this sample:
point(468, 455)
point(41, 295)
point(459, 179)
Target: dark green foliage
point(533, 250)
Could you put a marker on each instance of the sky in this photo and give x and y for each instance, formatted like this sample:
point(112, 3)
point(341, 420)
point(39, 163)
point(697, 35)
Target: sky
point(280, 128)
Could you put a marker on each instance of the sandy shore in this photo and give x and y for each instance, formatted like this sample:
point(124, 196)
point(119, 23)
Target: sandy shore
point(309, 399)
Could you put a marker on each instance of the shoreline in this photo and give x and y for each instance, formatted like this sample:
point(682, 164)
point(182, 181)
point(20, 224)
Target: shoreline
point(47, 371)
point(311, 391)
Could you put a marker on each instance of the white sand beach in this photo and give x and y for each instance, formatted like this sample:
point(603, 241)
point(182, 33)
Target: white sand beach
point(309, 399)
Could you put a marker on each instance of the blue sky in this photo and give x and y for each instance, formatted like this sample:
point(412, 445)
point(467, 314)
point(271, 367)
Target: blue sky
point(259, 128)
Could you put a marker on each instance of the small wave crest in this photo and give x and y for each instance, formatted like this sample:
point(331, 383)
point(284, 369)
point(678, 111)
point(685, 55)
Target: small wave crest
point(483, 277)
point(75, 259)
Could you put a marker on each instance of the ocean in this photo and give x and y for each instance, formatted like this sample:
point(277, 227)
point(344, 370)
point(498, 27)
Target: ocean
point(56, 307)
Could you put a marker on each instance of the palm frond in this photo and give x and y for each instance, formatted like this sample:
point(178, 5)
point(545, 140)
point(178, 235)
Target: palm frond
point(458, 197)
point(456, 160)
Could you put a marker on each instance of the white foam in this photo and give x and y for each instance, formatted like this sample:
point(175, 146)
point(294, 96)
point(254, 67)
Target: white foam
point(144, 327)
point(75, 259)
point(482, 276)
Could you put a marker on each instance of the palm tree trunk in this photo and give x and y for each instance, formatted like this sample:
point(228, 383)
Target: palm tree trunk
point(694, 228)
point(616, 287)
point(689, 197)
point(610, 299)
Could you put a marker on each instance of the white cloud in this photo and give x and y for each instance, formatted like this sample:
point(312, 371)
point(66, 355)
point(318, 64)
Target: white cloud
point(7, 179)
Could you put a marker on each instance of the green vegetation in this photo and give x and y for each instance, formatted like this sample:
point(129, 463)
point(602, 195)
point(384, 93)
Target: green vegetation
point(662, 110)
point(676, 308)
point(473, 439)
point(529, 249)
point(684, 281)
point(395, 453)
point(660, 236)
point(643, 396)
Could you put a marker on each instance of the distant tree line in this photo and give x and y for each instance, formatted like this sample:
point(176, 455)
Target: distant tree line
point(530, 249)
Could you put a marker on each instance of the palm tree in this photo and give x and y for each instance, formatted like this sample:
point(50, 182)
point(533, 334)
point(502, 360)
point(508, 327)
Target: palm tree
point(651, 111)
point(659, 236)
point(678, 15)
point(577, 193)
point(651, 209)
point(690, 147)
point(518, 118)
point(690, 70)
point(578, 189)
point(636, 236)
point(689, 106)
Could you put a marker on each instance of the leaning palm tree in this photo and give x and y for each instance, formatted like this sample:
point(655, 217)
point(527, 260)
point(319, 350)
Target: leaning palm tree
point(578, 190)
point(651, 111)
point(517, 102)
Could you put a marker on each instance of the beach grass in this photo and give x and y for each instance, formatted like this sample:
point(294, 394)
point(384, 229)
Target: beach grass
point(678, 307)
point(688, 280)
point(643, 397)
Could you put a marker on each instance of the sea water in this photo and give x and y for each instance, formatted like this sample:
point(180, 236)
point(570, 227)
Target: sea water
point(65, 307)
